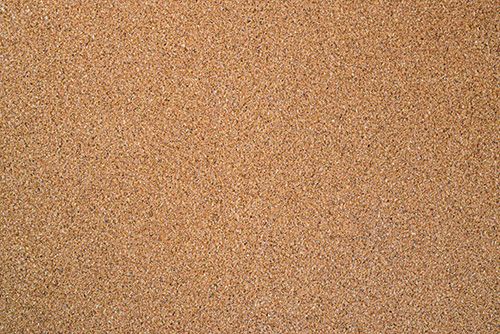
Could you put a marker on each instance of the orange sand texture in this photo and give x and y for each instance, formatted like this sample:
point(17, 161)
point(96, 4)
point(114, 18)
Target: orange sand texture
point(249, 167)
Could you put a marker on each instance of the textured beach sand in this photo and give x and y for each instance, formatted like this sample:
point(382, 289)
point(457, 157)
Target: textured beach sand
point(249, 167)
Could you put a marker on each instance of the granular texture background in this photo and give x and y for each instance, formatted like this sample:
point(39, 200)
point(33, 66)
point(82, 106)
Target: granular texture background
point(249, 167)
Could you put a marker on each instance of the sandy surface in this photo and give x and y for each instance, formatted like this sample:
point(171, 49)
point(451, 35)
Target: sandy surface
point(249, 167)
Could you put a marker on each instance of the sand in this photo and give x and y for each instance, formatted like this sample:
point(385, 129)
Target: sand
point(249, 167)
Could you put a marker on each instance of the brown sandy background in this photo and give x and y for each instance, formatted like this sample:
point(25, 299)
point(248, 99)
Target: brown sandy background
point(249, 167)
